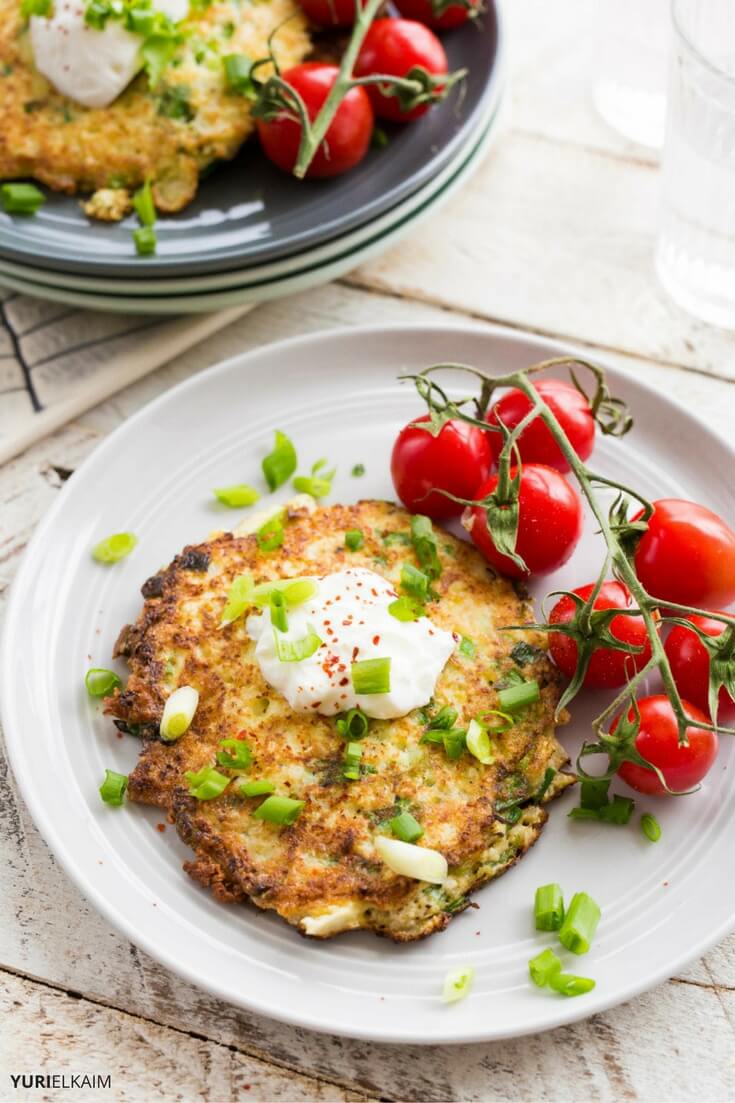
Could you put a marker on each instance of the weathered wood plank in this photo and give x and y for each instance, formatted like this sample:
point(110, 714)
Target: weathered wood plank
point(53, 1034)
point(606, 1059)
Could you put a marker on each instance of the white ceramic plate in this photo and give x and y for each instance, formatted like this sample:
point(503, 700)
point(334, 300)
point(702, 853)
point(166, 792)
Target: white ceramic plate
point(337, 394)
point(298, 275)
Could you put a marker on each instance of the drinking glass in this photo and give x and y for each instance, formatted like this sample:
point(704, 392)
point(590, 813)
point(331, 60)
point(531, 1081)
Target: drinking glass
point(695, 253)
point(631, 65)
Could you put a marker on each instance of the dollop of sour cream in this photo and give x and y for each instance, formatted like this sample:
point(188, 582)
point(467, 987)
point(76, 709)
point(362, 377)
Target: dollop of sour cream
point(88, 65)
point(349, 614)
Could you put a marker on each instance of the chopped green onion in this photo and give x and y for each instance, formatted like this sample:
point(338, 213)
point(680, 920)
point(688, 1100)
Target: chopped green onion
point(505, 722)
point(548, 908)
point(295, 591)
point(457, 984)
point(371, 676)
point(178, 713)
point(237, 74)
point(455, 741)
point(517, 697)
point(155, 53)
point(467, 647)
point(478, 743)
point(425, 545)
point(580, 923)
point(405, 827)
point(618, 811)
point(544, 967)
point(379, 138)
point(237, 496)
point(315, 484)
point(569, 985)
point(353, 725)
point(112, 789)
point(101, 682)
point(415, 583)
point(259, 788)
point(114, 547)
point(143, 204)
point(140, 21)
point(239, 597)
point(405, 609)
point(280, 464)
point(650, 827)
point(277, 604)
point(281, 810)
point(235, 755)
point(354, 539)
point(145, 241)
point(524, 653)
point(207, 783)
point(97, 13)
point(35, 7)
point(594, 794)
point(293, 651)
point(352, 756)
point(358, 470)
point(392, 538)
point(21, 198)
point(271, 534)
point(445, 719)
point(409, 860)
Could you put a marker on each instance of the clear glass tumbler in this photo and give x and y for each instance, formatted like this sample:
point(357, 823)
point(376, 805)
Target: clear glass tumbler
point(695, 253)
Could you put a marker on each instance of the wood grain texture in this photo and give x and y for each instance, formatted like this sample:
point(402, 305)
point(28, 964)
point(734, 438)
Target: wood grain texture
point(676, 1042)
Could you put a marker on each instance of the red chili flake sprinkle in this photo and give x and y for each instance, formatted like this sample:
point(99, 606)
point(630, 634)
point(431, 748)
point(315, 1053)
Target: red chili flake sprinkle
point(376, 640)
point(355, 653)
point(344, 681)
point(341, 667)
point(338, 597)
point(361, 622)
point(343, 696)
point(327, 622)
point(316, 704)
point(161, 827)
point(431, 631)
point(373, 591)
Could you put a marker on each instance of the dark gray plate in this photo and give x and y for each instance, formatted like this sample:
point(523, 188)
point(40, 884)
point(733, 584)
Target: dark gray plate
point(247, 212)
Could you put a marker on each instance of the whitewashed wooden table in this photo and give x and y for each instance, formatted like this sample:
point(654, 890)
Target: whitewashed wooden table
point(553, 236)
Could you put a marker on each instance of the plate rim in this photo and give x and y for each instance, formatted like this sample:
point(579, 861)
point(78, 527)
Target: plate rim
point(13, 737)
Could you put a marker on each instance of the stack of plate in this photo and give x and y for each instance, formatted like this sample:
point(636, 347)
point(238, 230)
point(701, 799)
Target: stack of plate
point(254, 233)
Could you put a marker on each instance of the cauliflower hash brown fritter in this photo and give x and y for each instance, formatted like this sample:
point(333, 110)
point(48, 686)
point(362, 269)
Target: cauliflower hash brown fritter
point(323, 874)
point(168, 134)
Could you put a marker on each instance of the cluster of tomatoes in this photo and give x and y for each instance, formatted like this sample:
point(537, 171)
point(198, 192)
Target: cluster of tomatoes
point(393, 47)
point(686, 556)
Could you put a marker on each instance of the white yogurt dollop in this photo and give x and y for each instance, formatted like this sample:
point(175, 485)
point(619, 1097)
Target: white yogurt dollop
point(88, 65)
point(350, 615)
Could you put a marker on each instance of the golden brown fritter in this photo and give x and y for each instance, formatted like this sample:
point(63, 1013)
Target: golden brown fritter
point(168, 134)
point(323, 874)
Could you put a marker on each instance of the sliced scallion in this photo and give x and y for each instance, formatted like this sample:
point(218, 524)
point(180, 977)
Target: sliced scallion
point(239, 597)
point(569, 985)
point(295, 591)
point(318, 484)
point(294, 651)
point(406, 827)
point(580, 923)
point(415, 583)
point(354, 539)
point(517, 697)
point(277, 604)
point(543, 967)
point(478, 743)
point(114, 548)
point(405, 609)
point(260, 788)
point(371, 676)
point(145, 241)
point(548, 908)
point(237, 68)
point(143, 204)
point(358, 470)
point(351, 759)
point(467, 647)
point(425, 545)
point(178, 713)
point(207, 783)
point(271, 534)
point(650, 827)
point(35, 7)
point(237, 496)
point(280, 464)
point(409, 860)
point(353, 725)
point(457, 984)
point(112, 789)
point(101, 682)
point(21, 198)
point(235, 754)
point(280, 810)
point(445, 719)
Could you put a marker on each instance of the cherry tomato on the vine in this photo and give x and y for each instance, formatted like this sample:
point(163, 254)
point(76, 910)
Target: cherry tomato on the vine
point(549, 522)
point(457, 459)
point(607, 668)
point(658, 742)
point(330, 13)
point(536, 444)
point(689, 661)
point(348, 138)
point(687, 555)
point(393, 47)
point(440, 16)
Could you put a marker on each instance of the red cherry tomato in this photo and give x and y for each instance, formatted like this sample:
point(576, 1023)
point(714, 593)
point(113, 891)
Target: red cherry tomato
point(330, 13)
point(348, 137)
point(658, 742)
point(689, 661)
point(536, 443)
point(687, 555)
point(549, 522)
point(607, 667)
point(393, 47)
point(425, 11)
point(456, 460)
